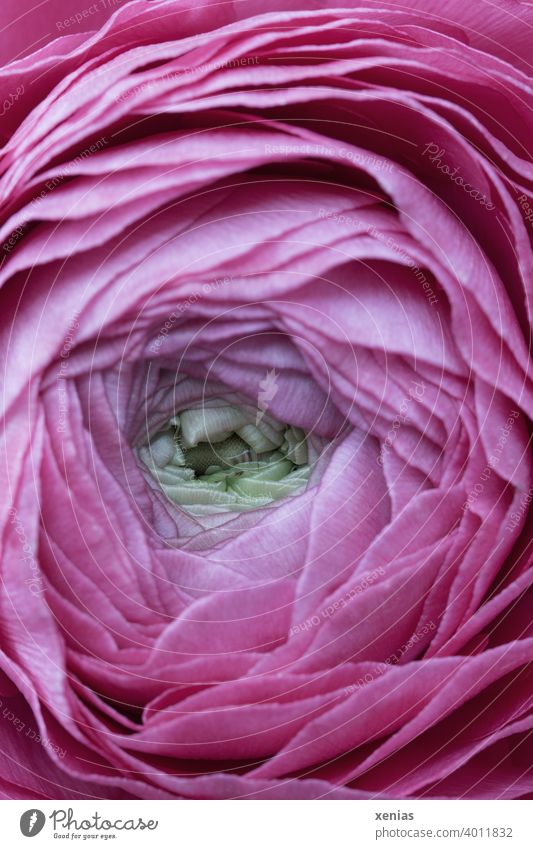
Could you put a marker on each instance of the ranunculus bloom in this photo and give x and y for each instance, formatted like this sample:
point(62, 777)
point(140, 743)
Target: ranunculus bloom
point(266, 475)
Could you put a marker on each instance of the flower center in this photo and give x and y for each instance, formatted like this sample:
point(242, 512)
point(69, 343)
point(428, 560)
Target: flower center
point(226, 458)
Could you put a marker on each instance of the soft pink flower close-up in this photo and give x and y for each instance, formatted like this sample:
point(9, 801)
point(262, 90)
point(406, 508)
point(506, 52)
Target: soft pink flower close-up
point(266, 398)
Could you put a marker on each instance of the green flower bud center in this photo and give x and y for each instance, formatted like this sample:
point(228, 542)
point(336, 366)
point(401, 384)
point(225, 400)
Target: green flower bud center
point(226, 458)
point(206, 454)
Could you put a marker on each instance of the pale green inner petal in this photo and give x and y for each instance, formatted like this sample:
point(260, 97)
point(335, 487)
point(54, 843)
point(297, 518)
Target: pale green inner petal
point(221, 459)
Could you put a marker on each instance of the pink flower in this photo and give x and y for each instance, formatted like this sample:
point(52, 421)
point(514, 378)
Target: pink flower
point(265, 314)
